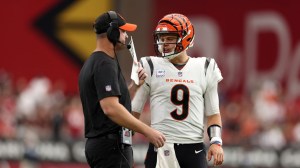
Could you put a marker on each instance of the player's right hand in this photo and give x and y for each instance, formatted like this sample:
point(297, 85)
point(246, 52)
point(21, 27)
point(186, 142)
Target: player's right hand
point(156, 138)
point(142, 74)
point(217, 153)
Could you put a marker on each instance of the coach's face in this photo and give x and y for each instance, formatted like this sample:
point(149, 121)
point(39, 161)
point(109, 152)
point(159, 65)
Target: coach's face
point(122, 39)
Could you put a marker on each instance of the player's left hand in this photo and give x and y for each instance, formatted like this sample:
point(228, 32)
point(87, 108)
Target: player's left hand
point(217, 152)
point(142, 74)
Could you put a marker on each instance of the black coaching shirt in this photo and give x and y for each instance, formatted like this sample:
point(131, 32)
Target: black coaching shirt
point(100, 77)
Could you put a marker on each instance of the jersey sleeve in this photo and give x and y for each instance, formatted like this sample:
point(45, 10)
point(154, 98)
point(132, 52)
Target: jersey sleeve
point(147, 64)
point(213, 74)
point(106, 80)
point(211, 97)
point(143, 91)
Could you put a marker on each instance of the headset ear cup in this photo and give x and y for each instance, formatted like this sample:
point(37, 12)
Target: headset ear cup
point(109, 34)
point(116, 34)
point(113, 34)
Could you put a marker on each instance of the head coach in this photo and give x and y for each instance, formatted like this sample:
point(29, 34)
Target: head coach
point(106, 101)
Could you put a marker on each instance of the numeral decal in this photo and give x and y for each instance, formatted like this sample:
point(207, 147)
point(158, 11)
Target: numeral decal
point(183, 102)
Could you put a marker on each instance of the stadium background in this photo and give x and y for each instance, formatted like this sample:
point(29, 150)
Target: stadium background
point(44, 43)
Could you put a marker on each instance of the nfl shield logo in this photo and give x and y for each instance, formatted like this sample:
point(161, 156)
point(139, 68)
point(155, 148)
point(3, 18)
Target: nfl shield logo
point(167, 152)
point(108, 88)
point(180, 74)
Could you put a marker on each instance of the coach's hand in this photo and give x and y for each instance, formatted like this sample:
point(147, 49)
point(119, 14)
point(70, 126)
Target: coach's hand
point(217, 152)
point(156, 138)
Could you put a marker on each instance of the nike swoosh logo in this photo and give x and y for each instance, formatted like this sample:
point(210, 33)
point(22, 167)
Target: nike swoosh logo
point(198, 151)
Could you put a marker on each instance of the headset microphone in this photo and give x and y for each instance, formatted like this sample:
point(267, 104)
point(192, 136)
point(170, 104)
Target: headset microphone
point(128, 46)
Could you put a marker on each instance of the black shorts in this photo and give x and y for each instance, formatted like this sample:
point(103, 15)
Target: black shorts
point(188, 156)
point(107, 151)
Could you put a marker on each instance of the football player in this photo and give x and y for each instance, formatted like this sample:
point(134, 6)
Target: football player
point(183, 92)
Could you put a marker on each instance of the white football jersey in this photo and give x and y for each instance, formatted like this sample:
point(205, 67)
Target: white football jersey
point(178, 98)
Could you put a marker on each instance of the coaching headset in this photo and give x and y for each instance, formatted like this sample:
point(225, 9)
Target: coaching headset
point(113, 33)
